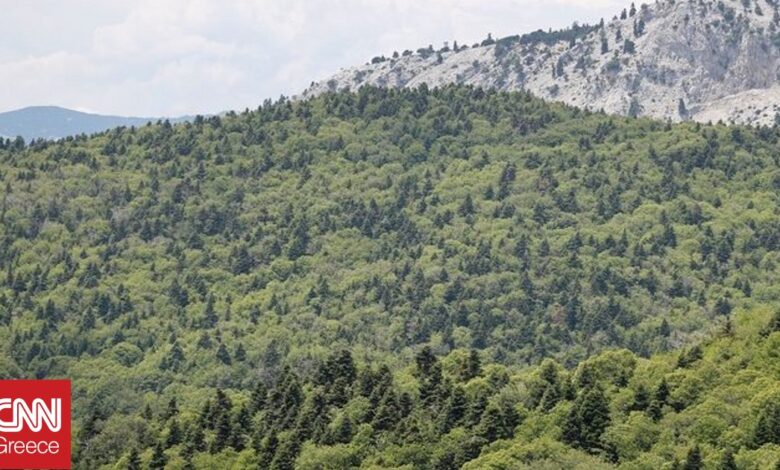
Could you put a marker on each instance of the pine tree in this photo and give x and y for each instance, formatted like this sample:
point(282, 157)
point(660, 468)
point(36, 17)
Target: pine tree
point(774, 324)
point(587, 420)
point(387, 413)
point(454, 410)
point(550, 397)
point(171, 410)
point(267, 450)
point(286, 453)
point(594, 416)
point(728, 462)
point(224, 432)
point(243, 262)
point(472, 367)
point(209, 314)
point(693, 460)
point(178, 294)
point(682, 110)
point(662, 392)
point(467, 207)
point(158, 458)
point(174, 434)
point(342, 434)
point(258, 398)
point(240, 428)
point(133, 461)
point(240, 354)
point(767, 430)
point(491, 424)
point(223, 355)
point(655, 410)
point(300, 240)
point(641, 399)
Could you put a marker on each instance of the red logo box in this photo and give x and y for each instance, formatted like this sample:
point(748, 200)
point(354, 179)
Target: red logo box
point(35, 424)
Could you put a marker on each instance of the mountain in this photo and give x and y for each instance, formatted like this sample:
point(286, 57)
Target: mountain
point(401, 278)
point(703, 60)
point(52, 122)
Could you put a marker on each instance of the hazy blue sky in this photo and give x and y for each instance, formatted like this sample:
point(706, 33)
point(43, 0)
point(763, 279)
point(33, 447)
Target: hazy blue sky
point(171, 57)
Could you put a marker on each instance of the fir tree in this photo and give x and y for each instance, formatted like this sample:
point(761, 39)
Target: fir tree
point(133, 460)
point(693, 461)
point(158, 458)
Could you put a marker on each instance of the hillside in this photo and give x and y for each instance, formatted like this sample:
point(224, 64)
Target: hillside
point(240, 252)
point(52, 122)
point(702, 60)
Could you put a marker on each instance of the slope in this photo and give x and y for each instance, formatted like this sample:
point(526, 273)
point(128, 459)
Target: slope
point(702, 60)
point(166, 261)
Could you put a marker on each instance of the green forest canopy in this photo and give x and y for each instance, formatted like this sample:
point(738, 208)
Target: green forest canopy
point(370, 259)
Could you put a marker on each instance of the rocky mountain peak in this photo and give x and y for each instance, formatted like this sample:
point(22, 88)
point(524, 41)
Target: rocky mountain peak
point(703, 60)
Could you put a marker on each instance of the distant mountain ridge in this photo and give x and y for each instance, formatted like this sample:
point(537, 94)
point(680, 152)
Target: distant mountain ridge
point(53, 122)
point(702, 60)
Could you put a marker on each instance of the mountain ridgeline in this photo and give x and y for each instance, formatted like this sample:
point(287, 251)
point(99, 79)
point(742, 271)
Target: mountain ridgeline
point(401, 278)
point(701, 60)
point(52, 122)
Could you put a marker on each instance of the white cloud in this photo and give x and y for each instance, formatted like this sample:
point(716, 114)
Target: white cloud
point(151, 57)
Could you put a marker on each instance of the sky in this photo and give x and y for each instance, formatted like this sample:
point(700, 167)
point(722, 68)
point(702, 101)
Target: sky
point(154, 58)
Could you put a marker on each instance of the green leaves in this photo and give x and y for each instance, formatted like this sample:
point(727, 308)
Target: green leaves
point(294, 249)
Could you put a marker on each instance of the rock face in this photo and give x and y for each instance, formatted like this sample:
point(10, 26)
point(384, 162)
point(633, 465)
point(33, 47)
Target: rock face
point(703, 60)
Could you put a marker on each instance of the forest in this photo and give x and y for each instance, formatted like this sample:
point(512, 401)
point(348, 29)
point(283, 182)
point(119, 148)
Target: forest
point(405, 279)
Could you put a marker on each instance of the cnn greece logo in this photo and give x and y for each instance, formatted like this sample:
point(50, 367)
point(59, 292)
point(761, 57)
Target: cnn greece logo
point(35, 424)
point(34, 417)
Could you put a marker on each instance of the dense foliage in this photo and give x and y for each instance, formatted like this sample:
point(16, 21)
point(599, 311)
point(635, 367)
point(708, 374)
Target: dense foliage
point(215, 261)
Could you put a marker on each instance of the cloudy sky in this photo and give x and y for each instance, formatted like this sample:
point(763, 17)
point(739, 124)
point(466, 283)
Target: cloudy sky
point(173, 57)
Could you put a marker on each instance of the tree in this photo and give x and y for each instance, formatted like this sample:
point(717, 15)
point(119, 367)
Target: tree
point(682, 110)
point(158, 458)
point(472, 366)
point(454, 410)
point(343, 431)
point(467, 207)
point(774, 324)
point(288, 449)
point(178, 294)
point(662, 392)
point(243, 262)
point(728, 462)
point(300, 240)
point(693, 461)
point(767, 428)
point(174, 434)
point(491, 425)
point(266, 450)
point(258, 398)
point(224, 432)
point(498, 422)
point(641, 399)
point(210, 318)
point(388, 412)
point(634, 108)
point(171, 410)
point(587, 420)
point(639, 27)
point(133, 461)
point(223, 355)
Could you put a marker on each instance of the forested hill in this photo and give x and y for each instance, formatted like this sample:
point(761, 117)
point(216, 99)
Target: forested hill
point(209, 259)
